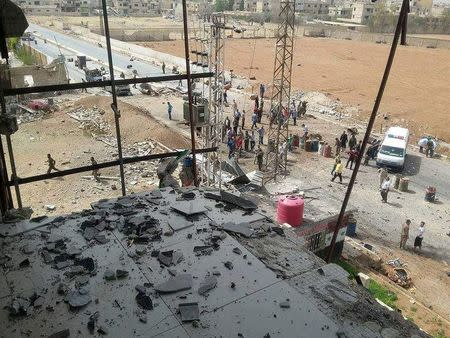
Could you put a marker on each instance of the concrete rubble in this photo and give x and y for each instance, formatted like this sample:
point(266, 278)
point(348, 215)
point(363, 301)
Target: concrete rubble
point(202, 280)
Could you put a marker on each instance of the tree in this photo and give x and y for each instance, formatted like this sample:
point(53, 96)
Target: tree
point(230, 5)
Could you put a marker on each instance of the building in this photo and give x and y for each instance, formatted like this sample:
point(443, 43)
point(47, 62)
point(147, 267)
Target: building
point(41, 7)
point(362, 11)
point(312, 8)
point(340, 12)
point(421, 7)
point(137, 7)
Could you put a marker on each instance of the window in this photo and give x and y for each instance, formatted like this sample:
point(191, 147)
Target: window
point(392, 151)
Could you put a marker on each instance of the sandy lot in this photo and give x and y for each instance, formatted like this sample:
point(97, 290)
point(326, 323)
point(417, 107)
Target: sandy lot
point(417, 93)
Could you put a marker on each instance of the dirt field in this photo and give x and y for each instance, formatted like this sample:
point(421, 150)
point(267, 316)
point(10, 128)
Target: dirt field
point(417, 93)
point(70, 146)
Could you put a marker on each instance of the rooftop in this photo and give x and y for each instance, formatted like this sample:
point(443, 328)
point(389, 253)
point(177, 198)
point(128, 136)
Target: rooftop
point(187, 263)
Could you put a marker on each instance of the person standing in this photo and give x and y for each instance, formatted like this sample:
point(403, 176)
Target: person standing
point(243, 120)
point(95, 171)
point(51, 164)
point(254, 120)
point(337, 145)
point(230, 134)
point(236, 122)
point(405, 234)
point(338, 171)
point(225, 97)
point(261, 132)
point(352, 142)
point(259, 156)
point(343, 139)
point(337, 160)
point(290, 142)
point(359, 146)
point(419, 237)
point(383, 174)
point(238, 144)
point(294, 112)
point(163, 67)
point(227, 122)
point(169, 110)
point(262, 90)
point(246, 141)
point(352, 156)
point(252, 141)
point(234, 106)
point(385, 189)
point(231, 146)
point(305, 131)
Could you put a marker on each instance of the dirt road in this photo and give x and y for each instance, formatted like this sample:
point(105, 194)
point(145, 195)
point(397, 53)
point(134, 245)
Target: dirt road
point(417, 94)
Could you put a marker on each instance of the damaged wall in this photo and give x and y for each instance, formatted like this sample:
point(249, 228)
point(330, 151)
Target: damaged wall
point(55, 73)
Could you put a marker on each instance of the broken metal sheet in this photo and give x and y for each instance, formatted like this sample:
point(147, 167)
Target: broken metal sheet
point(188, 207)
point(243, 229)
point(180, 225)
point(240, 180)
point(259, 315)
point(22, 227)
point(232, 167)
point(238, 201)
point(208, 284)
point(189, 312)
point(176, 283)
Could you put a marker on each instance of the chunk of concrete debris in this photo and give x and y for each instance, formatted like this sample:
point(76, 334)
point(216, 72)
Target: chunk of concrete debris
point(228, 265)
point(209, 283)
point(285, 305)
point(88, 263)
point(25, 263)
point(169, 258)
point(101, 239)
point(102, 330)
point(189, 312)
point(81, 280)
point(47, 257)
point(78, 298)
point(121, 273)
point(63, 289)
point(61, 334)
point(109, 275)
point(172, 272)
point(89, 233)
point(63, 265)
point(143, 318)
point(175, 284)
point(144, 301)
point(39, 301)
point(237, 251)
point(73, 251)
point(50, 207)
point(140, 288)
point(28, 249)
point(19, 307)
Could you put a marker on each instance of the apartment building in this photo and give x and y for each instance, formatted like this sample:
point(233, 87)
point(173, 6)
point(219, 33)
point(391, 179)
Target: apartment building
point(312, 8)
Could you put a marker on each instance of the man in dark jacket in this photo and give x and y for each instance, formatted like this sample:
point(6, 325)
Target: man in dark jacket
point(344, 139)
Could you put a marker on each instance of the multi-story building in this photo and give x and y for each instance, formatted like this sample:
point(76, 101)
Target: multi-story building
point(421, 7)
point(312, 8)
point(41, 7)
point(340, 12)
point(137, 7)
point(362, 11)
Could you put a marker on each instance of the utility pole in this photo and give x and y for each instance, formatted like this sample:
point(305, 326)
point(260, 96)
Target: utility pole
point(281, 93)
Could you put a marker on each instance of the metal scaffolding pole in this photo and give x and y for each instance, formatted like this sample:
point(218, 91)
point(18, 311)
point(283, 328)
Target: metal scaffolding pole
point(279, 105)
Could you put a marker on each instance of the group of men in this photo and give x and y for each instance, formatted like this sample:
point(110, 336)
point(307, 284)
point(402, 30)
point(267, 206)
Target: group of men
point(405, 235)
point(52, 166)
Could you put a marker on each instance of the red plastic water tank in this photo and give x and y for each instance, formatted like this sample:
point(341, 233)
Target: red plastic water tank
point(290, 210)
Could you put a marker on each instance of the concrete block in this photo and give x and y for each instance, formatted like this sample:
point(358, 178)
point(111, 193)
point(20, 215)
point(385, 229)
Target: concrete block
point(364, 279)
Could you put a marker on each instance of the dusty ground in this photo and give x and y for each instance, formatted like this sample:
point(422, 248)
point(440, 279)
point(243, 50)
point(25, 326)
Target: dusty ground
point(61, 136)
point(351, 71)
point(432, 36)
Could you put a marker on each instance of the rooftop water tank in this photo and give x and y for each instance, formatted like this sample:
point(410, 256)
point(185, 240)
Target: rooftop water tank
point(290, 210)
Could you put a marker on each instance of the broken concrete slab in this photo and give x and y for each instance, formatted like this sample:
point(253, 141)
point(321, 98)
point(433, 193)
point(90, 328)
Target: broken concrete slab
point(243, 229)
point(109, 275)
point(209, 283)
point(189, 312)
point(176, 283)
point(170, 257)
point(188, 208)
point(144, 301)
point(60, 334)
point(78, 298)
point(121, 273)
point(178, 225)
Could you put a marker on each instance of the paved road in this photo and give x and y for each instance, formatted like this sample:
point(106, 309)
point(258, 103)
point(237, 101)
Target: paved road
point(95, 52)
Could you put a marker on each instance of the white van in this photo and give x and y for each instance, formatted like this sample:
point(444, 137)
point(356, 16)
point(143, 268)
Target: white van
point(392, 152)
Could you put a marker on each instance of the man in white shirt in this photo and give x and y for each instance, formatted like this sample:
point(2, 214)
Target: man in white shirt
point(419, 237)
point(385, 189)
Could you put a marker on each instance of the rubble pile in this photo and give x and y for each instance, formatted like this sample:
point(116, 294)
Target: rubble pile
point(91, 120)
point(319, 103)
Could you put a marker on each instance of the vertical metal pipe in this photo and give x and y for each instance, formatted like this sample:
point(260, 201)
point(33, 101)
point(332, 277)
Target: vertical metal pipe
point(189, 87)
point(404, 27)
point(7, 203)
point(390, 60)
point(114, 96)
point(10, 150)
point(13, 170)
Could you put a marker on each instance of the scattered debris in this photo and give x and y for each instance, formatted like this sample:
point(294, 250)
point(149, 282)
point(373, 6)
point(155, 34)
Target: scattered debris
point(285, 305)
point(189, 312)
point(144, 301)
point(109, 275)
point(121, 274)
point(78, 298)
point(228, 265)
point(237, 251)
point(208, 284)
point(175, 284)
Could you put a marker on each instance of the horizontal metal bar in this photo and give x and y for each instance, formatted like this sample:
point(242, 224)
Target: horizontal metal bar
point(126, 160)
point(100, 84)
